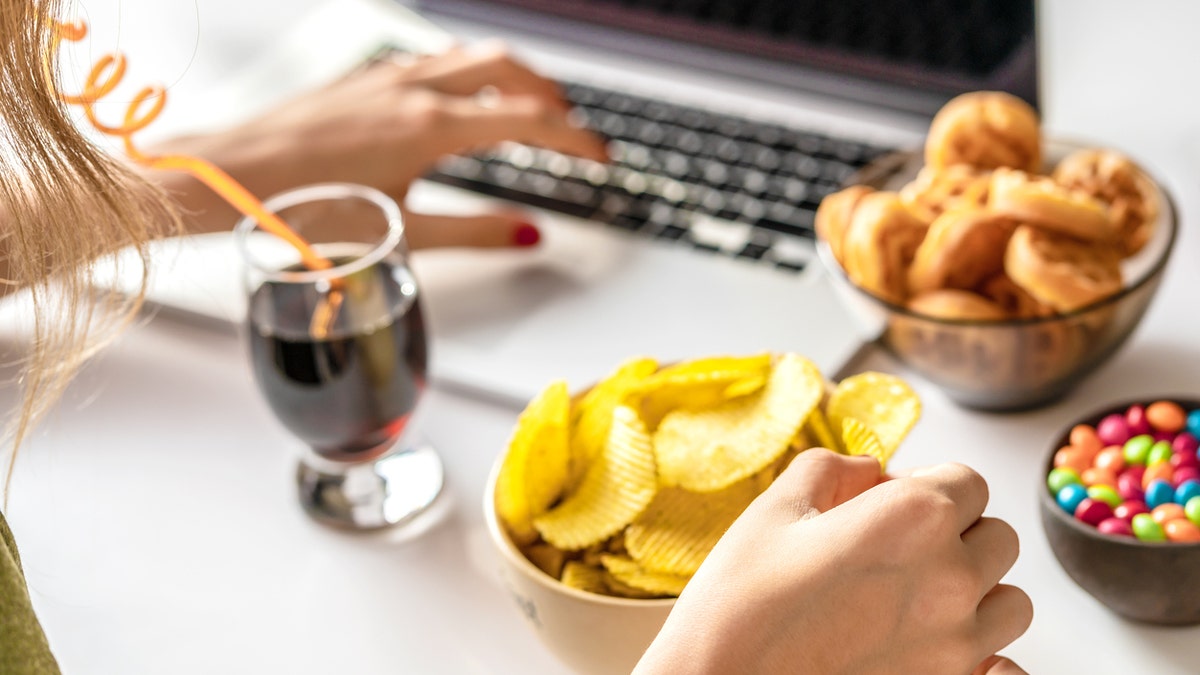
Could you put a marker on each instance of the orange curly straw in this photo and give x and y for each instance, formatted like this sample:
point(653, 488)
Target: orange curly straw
point(103, 78)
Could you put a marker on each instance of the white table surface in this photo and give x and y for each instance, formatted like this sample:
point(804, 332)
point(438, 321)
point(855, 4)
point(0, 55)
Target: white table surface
point(156, 513)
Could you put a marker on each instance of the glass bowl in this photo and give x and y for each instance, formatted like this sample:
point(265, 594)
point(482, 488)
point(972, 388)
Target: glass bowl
point(1012, 364)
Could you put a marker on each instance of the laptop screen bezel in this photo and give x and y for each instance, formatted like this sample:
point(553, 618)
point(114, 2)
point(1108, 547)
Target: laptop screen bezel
point(859, 78)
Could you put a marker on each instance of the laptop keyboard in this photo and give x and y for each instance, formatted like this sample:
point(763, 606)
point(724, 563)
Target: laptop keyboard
point(713, 182)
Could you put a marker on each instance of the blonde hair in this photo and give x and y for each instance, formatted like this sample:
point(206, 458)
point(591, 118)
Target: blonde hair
point(63, 204)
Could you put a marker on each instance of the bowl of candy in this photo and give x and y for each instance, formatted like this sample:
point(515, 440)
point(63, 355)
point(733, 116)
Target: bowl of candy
point(1120, 506)
point(606, 502)
point(1001, 267)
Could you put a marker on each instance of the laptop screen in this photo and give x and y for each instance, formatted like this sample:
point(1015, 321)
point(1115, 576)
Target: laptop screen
point(940, 47)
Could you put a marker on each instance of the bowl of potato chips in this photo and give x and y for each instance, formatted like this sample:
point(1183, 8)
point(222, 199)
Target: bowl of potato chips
point(1001, 267)
point(607, 501)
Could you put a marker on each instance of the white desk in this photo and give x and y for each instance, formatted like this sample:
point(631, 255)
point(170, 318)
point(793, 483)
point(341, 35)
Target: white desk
point(157, 517)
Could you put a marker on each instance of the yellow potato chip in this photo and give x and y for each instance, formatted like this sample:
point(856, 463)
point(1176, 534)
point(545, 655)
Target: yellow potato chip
point(585, 577)
point(818, 425)
point(620, 589)
point(547, 558)
point(860, 440)
point(536, 467)
point(617, 487)
point(884, 403)
point(627, 571)
point(699, 384)
point(712, 448)
point(679, 528)
point(591, 417)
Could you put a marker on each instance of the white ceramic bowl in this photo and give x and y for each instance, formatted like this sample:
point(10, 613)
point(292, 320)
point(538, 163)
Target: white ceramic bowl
point(590, 633)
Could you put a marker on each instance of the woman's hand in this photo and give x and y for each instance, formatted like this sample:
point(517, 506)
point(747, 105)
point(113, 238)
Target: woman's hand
point(832, 570)
point(385, 125)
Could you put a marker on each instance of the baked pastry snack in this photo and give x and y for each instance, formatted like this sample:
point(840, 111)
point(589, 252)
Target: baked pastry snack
point(937, 190)
point(985, 129)
point(956, 304)
point(1003, 291)
point(1041, 201)
point(1113, 178)
point(961, 249)
point(834, 214)
point(880, 243)
point(1059, 271)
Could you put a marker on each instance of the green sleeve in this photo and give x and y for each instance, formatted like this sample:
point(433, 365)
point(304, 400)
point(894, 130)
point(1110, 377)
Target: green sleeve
point(23, 647)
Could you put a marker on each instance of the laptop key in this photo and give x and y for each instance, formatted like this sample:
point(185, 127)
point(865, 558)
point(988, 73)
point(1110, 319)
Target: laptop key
point(753, 250)
point(672, 232)
point(720, 234)
point(790, 253)
point(789, 220)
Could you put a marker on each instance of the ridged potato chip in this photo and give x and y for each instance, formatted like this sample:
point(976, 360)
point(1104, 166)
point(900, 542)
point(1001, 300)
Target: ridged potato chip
point(679, 528)
point(591, 418)
point(710, 449)
point(627, 571)
point(585, 577)
point(617, 487)
point(884, 403)
point(860, 440)
point(700, 384)
point(818, 426)
point(536, 468)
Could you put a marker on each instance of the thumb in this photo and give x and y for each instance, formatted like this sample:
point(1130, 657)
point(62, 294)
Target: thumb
point(818, 480)
point(488, 230)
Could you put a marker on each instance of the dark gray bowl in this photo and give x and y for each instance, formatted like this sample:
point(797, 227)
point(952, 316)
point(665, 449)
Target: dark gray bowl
point(1155, 583)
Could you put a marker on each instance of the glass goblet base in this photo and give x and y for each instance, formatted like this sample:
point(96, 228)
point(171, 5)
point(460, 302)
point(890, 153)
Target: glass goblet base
point(389, 491)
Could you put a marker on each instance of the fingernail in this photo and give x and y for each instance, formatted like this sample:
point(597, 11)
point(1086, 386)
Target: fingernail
point(526, 235)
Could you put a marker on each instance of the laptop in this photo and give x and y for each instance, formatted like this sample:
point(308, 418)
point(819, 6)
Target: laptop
point(728, 120)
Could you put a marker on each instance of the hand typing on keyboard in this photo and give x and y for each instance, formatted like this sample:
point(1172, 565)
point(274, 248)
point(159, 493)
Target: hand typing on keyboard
point(713, 181)
point(385, 125)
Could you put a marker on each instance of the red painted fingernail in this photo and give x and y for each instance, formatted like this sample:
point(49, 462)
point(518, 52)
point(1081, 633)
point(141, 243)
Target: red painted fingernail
point(526, 235)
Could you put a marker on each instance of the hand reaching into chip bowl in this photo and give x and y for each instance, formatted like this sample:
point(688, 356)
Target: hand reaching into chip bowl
point(708, 480)
point(833, 570)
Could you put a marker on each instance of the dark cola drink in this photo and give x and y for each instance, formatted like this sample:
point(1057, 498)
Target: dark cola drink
point(349, 393)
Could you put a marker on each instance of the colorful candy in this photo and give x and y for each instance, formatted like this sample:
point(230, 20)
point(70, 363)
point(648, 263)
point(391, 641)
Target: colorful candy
point(1161, 471)
point(1182, 529)
point(1193, 423)
point(1135, 419)
point(1113, 430)
point(1158, 493)
point(1192, 510)
point(1137, 449)
point(1135, 474)
point(1115, 526)
point(1070, 496)
point(1166, 416)
point(1093, 512)
point(1106, 494)
point(1165, 513)
point(1129, 486)
point(1147, 529)
point(1185, 442)
point(1159, 452)
point(1128, 509)
point(1185, 491)
point(1060, 477)
point(1185, 474)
